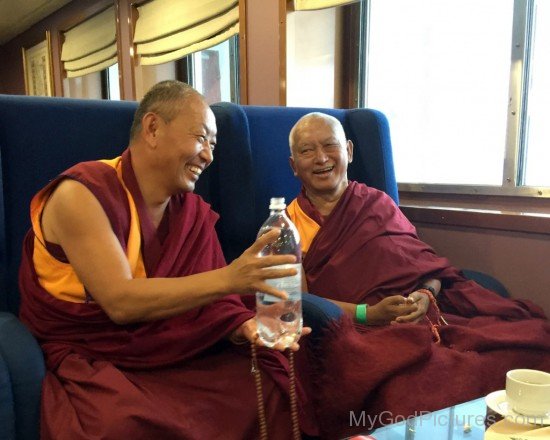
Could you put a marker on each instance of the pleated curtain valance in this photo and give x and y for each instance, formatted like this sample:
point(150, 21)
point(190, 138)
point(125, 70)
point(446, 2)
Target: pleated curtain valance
point(309, 5)
point(167, 30)
point(90, 46)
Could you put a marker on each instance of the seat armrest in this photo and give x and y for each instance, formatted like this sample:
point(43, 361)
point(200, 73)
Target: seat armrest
point(24, 360)
point(7, 415)
point(487, 281)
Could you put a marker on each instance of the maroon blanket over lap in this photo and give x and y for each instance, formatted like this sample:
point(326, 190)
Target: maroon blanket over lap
point(171, 379)
point(367, 250)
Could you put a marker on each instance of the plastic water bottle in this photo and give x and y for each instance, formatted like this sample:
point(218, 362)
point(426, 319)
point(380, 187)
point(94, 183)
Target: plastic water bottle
point(281, 320)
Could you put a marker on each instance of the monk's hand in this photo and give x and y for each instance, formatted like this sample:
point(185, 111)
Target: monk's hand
point(248, 332)
point(244, 333)
point(248, 273)
point(294, 346)
point(422, 301)
point(389, 310)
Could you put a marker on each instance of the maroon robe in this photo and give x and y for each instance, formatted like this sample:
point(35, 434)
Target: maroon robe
point(366, 250)
point(174, 378)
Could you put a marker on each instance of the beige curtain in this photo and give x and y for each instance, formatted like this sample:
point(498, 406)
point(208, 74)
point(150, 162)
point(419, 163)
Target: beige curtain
point(167, 30)
point(308, 5)
point(90, 46)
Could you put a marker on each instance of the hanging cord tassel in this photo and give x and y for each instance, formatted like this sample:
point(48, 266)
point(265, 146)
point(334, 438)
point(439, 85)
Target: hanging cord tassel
point(260, 398)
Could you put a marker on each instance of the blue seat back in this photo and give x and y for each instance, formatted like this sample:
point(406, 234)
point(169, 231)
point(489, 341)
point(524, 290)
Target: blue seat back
point(39, 138)
point(253, 163)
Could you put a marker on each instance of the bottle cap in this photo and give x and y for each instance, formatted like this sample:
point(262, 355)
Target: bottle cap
point(277, 203)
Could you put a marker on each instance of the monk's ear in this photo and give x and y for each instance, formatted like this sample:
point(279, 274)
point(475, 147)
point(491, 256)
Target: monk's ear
point(291, 163)
point(150, 128)
point(349, 147)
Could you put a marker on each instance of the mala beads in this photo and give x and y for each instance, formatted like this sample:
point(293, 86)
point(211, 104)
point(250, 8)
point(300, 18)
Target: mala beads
point(440, 320)
point(260, 398)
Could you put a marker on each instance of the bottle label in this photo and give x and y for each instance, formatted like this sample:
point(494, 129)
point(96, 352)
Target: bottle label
point(291, 285)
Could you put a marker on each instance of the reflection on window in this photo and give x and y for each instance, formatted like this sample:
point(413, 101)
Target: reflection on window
point(87, 86)
point(150, 75)
point(97, 85)
point(440, 71)
point(213, 71)
point(537, 130)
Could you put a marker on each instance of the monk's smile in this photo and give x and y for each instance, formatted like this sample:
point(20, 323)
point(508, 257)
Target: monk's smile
point(324, 171)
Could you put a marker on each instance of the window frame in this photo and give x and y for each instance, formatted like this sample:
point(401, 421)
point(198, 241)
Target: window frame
point(515, 148)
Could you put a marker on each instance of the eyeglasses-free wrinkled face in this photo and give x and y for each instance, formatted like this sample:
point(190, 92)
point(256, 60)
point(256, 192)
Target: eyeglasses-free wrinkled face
point(320, 158)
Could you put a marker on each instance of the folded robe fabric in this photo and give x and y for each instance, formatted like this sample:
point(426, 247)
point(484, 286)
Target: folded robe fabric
point(173, 378)
point(366, 250)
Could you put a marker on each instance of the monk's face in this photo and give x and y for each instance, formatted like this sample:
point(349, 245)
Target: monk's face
point(185, 145)
point(320, 158)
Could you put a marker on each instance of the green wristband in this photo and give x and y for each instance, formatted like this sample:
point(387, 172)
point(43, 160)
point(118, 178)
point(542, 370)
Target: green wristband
point(361, 313)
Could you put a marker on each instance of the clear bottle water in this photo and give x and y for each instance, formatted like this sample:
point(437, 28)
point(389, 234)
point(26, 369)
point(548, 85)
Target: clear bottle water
point(281, 320)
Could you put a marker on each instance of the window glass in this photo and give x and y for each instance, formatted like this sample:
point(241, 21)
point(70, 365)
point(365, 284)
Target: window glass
point(214, 72)
point(439, 70)
point(113, 84)
point(311, 51)
point(537, 128)
point(86, 86)
point(96, 85)
point(148, 76)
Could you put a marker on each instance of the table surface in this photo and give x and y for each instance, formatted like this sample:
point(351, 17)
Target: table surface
point(463, 421)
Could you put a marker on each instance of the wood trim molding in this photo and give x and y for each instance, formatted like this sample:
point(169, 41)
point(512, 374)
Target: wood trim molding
point(348, 82)
point(535, 223)
point(57, 65)
point(243, 54)
point(282, 51)
point(125, 22)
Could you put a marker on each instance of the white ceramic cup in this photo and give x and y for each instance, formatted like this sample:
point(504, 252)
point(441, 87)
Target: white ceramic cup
point(528, 392)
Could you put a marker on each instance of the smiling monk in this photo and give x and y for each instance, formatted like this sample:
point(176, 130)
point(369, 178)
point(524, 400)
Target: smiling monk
point(125, 286)
point(363, 254)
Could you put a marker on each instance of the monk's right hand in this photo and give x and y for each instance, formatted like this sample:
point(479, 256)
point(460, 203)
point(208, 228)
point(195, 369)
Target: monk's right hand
point(388, 309)
point(248, 273)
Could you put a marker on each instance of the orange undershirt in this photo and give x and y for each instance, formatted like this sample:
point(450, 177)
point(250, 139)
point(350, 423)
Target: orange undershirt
point(307, 227)
point(59, 278)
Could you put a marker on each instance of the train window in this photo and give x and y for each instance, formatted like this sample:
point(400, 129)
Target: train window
point(111, 84)
point(103, 84)
point(311, 53)
point(440, 74)
point(464, 84)
point(212, 71)
point(536, 155)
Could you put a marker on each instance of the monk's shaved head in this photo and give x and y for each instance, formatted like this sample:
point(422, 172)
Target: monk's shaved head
point(167, 99)
point(311, 119)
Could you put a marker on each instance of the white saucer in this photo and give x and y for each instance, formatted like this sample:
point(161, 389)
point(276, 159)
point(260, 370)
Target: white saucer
point(498, 403)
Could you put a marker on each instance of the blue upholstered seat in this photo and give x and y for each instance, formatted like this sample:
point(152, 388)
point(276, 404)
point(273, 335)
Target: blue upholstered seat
point(40, 137)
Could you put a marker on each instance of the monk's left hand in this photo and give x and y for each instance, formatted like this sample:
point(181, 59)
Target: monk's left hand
point(423, 303)
point(248, 332)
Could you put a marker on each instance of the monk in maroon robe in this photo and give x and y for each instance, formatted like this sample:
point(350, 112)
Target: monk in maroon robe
point(125, 286)
point(418, 335)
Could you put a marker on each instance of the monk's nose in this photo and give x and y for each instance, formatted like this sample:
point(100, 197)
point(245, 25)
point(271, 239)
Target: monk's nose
point(320, 156)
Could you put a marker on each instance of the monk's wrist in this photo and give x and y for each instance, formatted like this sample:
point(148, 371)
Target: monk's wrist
point(222, 285)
